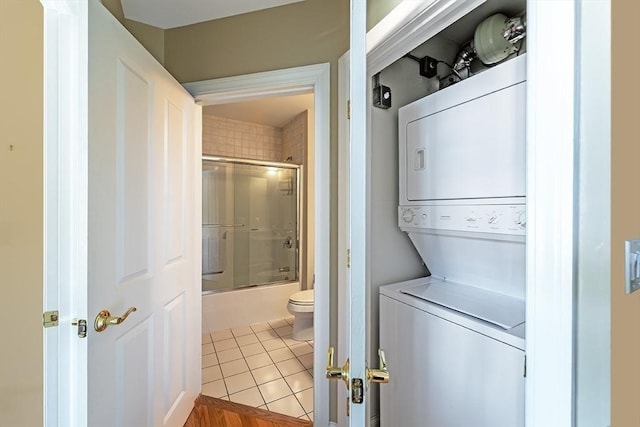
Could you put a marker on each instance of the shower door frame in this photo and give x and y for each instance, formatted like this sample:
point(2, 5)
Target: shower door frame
point(299, 185)
point(293, 81)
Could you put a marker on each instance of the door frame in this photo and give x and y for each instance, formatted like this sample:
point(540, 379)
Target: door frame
point(65, 208)
point(293, 81)
point(553, 128)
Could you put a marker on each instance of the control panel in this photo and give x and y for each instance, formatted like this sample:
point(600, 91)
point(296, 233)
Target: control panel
point(499, 219)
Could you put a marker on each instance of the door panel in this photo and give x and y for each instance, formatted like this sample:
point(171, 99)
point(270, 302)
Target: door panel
point(142, 206)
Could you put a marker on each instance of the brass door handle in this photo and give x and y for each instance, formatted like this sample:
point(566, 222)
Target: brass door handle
point(104, 319)
point(337, 373)
point(379, 375)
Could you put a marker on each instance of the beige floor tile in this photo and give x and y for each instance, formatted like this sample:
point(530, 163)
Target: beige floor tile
point(306, 360)
point(229, 355)
point(234, 368)
point(310, 415)
point(207, 349)
point(247, 339)
point(264, 326)
point(258, 360)
point(267, 335)
point(281, 354)
point(273, 344)
point(300, 381)
point(252, 349)
point(284, 331)
point(209, 360)
point(244, 330)
point(288, 405)
point(290, 342)
point(211, 373)
point(224, 334)
point(289, 367)
point(250, 397)
point(289, 320)
point(214, 389)
point(265, 374)
point(301, 349)
point(225, 345)
point(306, 399)
point(278, 323)
point(206, 338)
point(236, 383)
point(274, 390)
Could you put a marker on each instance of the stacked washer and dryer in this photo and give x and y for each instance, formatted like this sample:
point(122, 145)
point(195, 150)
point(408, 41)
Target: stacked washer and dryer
point(454, 341)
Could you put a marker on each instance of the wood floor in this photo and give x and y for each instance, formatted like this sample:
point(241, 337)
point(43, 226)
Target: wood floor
point(212, 412)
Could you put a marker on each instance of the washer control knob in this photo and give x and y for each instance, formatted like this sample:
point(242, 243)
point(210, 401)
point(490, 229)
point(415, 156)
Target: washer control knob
point(521, 220)
point(408, 215)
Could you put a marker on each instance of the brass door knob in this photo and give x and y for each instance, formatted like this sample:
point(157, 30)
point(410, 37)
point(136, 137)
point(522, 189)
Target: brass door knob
point(104, 319)
point(379, 375)
point(337, 373)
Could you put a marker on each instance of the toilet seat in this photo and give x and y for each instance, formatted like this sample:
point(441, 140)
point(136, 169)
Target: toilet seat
point(302, 298)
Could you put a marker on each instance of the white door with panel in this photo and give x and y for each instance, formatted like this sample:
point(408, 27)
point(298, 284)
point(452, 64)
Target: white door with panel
point(144, 200)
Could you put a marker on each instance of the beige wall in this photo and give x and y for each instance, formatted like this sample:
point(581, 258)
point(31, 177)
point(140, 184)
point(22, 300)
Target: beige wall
point(625, 212)
point(21, 213)
point(152, 38)
point(378, 9)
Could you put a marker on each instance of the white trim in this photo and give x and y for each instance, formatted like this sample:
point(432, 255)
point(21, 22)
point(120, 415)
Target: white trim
point(312, 78)
point(551, 190)
point(593, 303)
point(358, 236)
point(65, 209)
point(408, 26)
point(342, 352)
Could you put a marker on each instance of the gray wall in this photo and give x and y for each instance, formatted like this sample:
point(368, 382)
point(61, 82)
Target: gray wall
point(392, 256)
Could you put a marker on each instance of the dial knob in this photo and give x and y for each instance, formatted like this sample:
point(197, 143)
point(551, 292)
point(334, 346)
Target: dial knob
point(522, 219)
point(408, 215)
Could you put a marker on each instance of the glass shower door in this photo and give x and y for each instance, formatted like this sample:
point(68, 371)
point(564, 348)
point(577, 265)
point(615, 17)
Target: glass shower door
point(250, 224)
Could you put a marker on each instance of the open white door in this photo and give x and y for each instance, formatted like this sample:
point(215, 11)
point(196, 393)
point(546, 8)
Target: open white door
point(142, 207)
point(355, 373)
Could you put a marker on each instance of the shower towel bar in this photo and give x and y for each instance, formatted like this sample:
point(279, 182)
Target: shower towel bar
point(223, 225)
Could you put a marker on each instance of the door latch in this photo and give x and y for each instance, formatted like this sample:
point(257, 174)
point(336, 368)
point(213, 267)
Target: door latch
point(82, 327)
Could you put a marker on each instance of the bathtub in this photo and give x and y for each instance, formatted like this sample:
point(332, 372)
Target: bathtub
point(242, 307)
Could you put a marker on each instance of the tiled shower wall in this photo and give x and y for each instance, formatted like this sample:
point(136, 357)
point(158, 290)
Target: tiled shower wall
point(294, 139)
point(234, 138)
point(244, 140)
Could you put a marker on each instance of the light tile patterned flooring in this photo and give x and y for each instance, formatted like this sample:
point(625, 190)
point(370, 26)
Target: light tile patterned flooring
point(261, 366)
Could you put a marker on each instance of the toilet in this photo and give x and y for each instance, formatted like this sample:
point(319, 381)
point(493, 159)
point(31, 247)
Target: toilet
point(301, 306)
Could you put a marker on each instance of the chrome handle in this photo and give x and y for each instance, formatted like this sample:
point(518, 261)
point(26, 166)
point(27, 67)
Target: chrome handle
point(379, 375)
point(337, 373)
point(223, 225)
point(104, 319)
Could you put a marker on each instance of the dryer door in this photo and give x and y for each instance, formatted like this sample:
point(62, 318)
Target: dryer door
point(473, 150)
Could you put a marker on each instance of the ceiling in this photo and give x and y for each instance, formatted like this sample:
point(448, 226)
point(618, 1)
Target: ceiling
point(275, 111)
point(177, 13)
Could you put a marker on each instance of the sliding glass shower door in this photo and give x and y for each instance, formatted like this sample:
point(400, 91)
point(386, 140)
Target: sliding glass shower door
point(250, 224)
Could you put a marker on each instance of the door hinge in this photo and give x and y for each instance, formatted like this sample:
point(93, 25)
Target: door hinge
point(50, 318)
point(348, 258)
point(357, 391)
point(348, 109)
point(524, 374)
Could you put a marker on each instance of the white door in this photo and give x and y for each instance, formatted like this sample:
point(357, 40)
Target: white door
point(142, 251)
point(137, 137)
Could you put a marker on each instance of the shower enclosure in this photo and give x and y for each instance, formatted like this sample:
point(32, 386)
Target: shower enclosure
point(249, 223)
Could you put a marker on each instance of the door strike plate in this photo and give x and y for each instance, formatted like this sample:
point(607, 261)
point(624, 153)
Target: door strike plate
point(357, 393)
point(50, 318)
point(632, 265)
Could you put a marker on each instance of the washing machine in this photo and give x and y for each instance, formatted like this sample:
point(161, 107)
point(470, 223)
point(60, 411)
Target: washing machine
point(454, 341)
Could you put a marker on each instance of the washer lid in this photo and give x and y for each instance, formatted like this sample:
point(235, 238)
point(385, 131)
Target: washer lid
point(302, 297)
